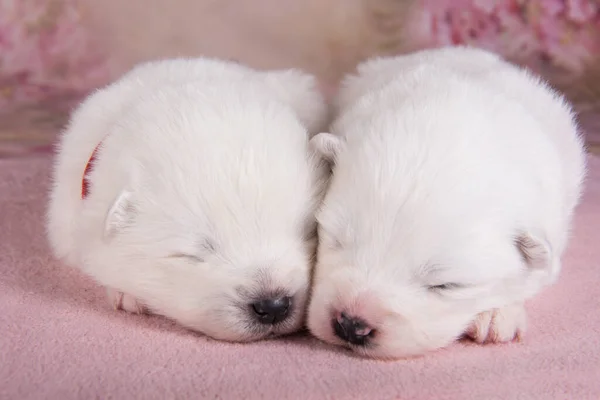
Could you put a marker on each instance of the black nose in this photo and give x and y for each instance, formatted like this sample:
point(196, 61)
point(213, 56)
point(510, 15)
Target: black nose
point(272, 311)
point(351, 330)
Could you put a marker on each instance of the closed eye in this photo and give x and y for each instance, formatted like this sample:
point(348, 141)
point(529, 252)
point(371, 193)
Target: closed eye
point(445, 286)
point(204, 247)
point(189, 257)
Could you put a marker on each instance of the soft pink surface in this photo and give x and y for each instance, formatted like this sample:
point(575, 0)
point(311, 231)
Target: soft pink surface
point(59, 339)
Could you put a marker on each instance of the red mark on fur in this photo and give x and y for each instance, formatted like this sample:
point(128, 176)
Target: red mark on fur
point(85, 184)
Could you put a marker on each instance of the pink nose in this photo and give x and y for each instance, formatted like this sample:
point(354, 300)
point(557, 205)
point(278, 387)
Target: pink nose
point(352, 330)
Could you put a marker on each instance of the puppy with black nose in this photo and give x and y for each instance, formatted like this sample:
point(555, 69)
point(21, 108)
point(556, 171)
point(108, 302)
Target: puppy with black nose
point(455, 177)
point(188, 189)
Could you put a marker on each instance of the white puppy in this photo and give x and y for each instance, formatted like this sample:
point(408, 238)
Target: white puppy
point(454, 182)
point(188, 189)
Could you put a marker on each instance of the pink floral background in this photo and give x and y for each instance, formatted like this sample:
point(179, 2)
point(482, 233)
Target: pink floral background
point(44, 49)
point(49, 58)
point(561, 34)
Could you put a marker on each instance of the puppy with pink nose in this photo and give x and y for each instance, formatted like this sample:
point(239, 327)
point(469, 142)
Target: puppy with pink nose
point(455, 177)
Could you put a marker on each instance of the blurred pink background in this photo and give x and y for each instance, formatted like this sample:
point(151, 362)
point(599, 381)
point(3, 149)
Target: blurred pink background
point(52, 52)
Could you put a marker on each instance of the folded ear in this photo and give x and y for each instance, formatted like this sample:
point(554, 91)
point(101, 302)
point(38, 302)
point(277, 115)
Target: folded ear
point(327, 146)
point(536, 252)
point(300, 91)
point(120, 215)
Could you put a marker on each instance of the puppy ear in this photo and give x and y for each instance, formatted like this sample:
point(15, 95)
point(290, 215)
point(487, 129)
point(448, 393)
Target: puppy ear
point(120, 215)
point(536, 253)
point(327, 146)
point(300, 91)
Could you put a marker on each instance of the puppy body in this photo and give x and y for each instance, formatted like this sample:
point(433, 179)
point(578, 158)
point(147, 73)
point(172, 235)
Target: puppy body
point(201, 196)
point(456, 175)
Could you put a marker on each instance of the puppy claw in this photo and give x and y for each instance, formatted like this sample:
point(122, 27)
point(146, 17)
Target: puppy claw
point(125, 302)
point(499, 325)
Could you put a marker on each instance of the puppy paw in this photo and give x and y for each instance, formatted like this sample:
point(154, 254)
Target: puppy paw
point(123, 301)
point(499, 325)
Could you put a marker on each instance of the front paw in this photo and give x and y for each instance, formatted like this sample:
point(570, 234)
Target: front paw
point(122, 301)
point(499, 325)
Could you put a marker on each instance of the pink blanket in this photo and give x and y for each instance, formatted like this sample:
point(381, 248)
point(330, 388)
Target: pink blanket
point(60, 340)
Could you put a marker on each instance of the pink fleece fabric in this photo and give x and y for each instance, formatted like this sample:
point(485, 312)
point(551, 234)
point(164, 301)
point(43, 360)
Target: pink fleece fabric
point(60, 340)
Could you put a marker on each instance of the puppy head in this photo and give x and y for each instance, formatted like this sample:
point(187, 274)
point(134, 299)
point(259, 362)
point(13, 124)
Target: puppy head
point(403, 270)
point(212, 223)
point(225, 273)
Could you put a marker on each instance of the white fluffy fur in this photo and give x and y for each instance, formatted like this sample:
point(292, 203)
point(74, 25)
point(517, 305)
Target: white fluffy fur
point(451, 167)
point(203, 194)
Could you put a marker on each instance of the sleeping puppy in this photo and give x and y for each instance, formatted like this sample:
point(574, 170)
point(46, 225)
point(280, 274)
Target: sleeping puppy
point(188, 189)
point(455, 177)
